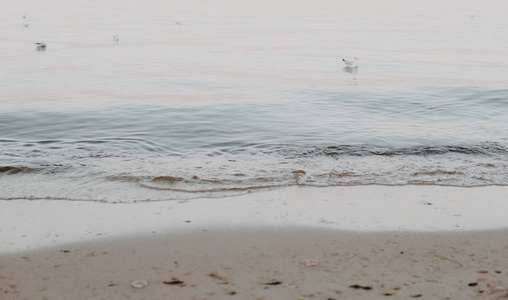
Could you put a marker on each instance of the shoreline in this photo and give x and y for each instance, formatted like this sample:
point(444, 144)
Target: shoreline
point(35, 224)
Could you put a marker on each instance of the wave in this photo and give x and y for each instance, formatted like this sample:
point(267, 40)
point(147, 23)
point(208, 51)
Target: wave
point(12, 170)
point(485, 148)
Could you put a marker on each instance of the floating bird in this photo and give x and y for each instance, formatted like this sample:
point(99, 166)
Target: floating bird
point(24, 23)
point(351, 63)
point(116, 39)
point(178, 22)
point(40, 45)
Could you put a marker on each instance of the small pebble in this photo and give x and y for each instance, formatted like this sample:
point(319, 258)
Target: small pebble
point(311, 262)
point(139, 284)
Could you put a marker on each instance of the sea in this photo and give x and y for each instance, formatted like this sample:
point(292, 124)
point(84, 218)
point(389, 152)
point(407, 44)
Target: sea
point(217, 98)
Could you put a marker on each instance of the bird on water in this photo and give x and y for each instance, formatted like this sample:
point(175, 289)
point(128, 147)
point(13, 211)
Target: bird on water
point(351, 63)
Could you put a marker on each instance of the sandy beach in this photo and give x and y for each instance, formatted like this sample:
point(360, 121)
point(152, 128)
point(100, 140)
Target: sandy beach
point(371, 242)
point(267, 263)
point(215, 150)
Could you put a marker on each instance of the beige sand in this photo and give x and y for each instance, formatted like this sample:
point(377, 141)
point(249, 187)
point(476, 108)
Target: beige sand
point(266, 263)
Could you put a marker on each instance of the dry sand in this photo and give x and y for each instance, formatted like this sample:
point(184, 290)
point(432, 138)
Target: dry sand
point(266, 263)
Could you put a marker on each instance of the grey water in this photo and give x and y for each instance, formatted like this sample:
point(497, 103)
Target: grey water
point(220, 98)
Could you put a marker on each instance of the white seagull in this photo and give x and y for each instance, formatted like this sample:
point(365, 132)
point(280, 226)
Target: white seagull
point(116, 39)
point(351, 63)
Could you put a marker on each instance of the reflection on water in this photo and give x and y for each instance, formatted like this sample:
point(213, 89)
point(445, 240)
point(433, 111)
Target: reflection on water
point(351, 70)
point(352, 77)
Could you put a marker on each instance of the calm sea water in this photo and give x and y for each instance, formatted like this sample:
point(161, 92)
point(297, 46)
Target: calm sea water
point(249, 95)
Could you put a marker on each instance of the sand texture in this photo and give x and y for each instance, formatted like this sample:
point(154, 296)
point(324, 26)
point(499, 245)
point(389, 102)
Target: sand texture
point(266, 263)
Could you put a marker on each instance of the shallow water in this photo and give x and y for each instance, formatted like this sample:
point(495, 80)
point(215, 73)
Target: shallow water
point(244, 96)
